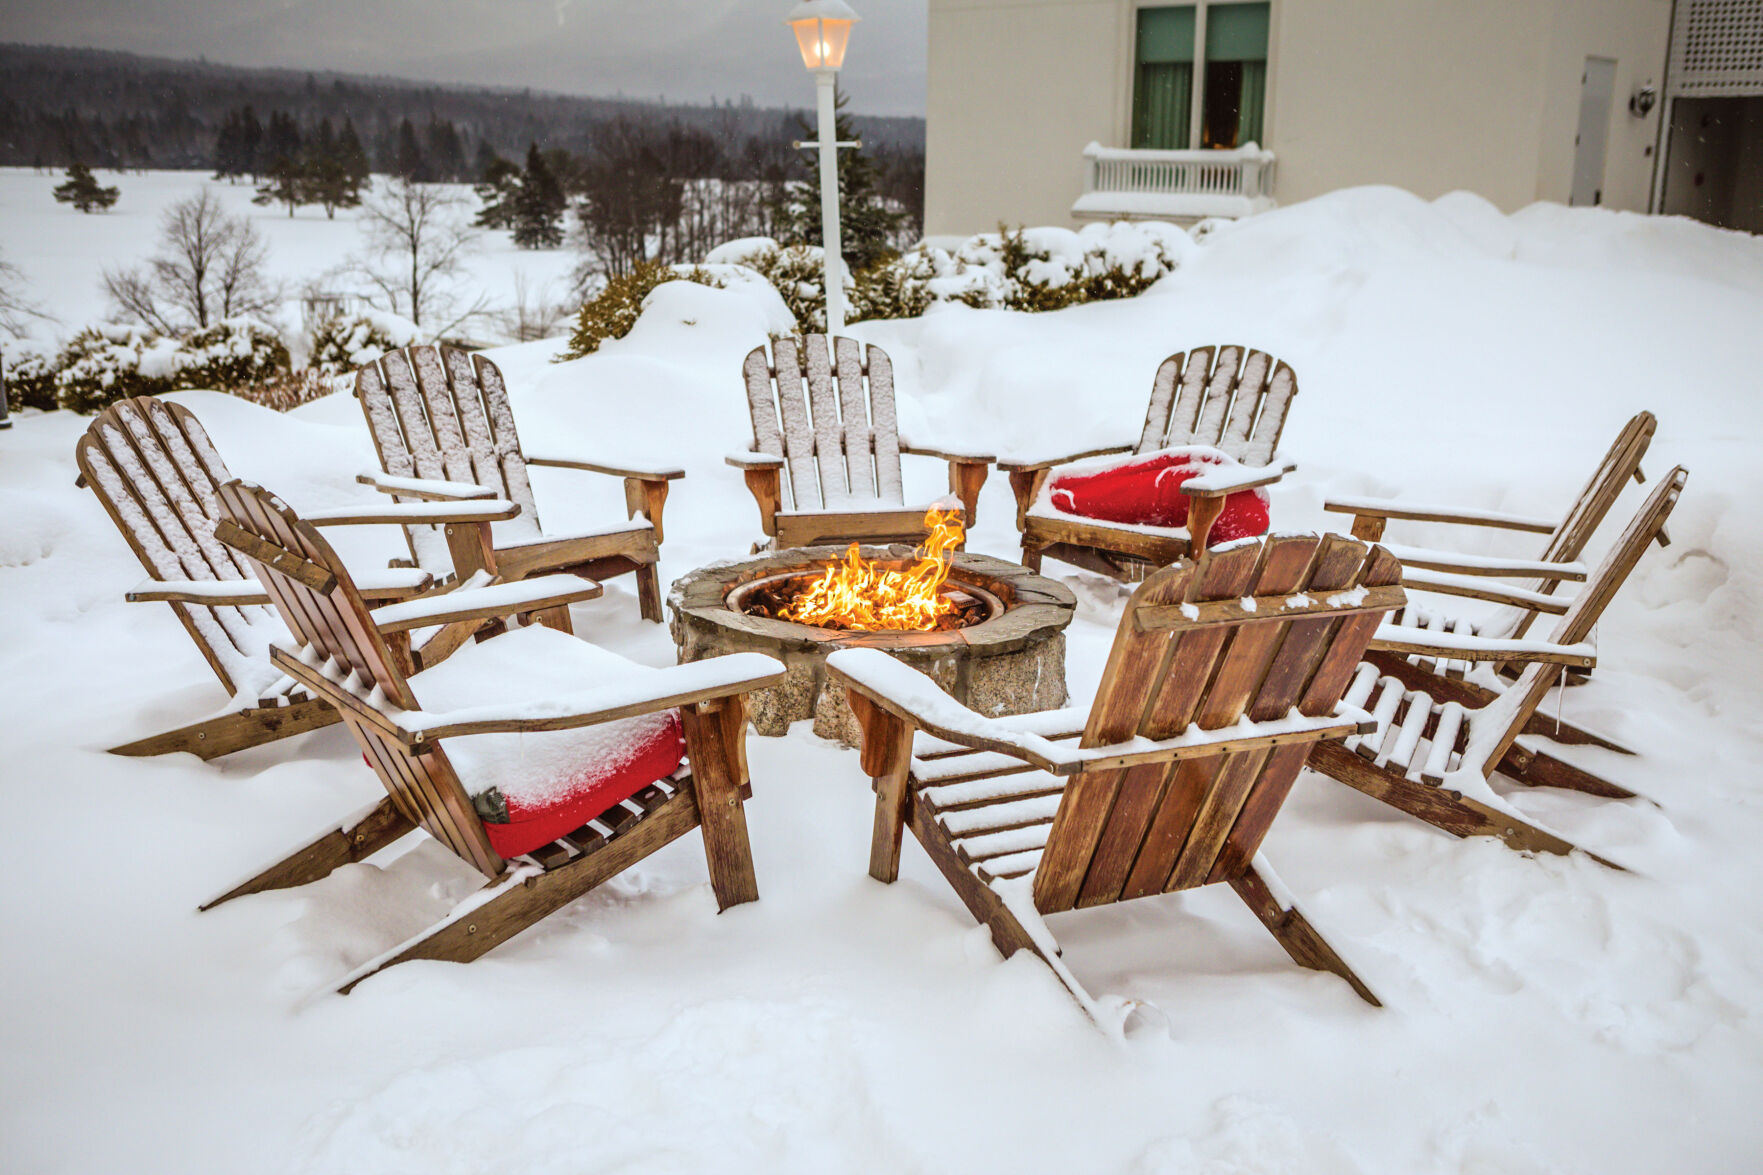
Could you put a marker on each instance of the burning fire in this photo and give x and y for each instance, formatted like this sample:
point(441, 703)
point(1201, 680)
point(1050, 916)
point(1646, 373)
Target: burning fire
point(855, 593)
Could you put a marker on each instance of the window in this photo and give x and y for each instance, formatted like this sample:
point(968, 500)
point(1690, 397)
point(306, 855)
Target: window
point(1229, 92)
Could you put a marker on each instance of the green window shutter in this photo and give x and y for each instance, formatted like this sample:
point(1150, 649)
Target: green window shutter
point(1167, 35)
point(1234, 32)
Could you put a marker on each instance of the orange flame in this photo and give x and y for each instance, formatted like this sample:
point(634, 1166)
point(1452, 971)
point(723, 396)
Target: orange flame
point(855, 593)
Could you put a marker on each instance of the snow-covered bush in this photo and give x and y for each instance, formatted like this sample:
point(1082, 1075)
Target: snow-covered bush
point(30, 382)
point(108, 362)
point(798, 274)
point(231, 355)
point(348, 341)
point(612, 312)
point(287, 390)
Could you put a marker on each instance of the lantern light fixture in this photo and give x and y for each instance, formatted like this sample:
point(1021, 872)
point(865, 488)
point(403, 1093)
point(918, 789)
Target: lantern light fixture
point(823, 29)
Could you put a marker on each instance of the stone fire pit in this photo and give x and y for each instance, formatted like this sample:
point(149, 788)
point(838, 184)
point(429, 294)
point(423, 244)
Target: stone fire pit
point(1010, 662)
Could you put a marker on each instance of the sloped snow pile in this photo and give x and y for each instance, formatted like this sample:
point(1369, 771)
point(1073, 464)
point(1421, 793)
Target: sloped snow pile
point(1541, 1014)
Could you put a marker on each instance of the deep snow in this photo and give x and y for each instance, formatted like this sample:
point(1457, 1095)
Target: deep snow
point(1543, 1015)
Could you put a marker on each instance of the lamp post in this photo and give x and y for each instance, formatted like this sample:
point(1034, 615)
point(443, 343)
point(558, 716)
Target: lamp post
point(823, 28)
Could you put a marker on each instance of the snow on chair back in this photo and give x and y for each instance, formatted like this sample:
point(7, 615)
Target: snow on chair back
point(322, 608)
point(440, 414)
point(831, 418)
point(154, 469)
point(1228, 397)
point(1521, 700)
point(1192, 650)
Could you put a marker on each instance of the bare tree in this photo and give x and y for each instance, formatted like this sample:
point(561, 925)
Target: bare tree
point(17, 309)
point(418, 237)
point(533, 313)
point(211, 266)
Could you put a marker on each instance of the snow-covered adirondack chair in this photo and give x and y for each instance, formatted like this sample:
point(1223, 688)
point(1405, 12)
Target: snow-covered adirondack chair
point(825, 460)
point(1454, 574)
point(445, 431)
point(155, 471)
point(547, 764)
point(1228, 397)
point(1225, 672)
point(1438, 741)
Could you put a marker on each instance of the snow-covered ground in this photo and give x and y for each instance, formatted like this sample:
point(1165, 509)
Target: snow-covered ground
point(1543, 1015)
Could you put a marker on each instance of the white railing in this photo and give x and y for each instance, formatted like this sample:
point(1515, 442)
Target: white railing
point(1211, 183)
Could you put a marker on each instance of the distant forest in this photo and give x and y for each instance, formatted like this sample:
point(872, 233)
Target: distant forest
point(59, 107)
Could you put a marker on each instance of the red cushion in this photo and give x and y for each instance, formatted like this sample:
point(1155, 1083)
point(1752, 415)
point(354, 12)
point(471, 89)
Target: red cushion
point(1146, 491)
point(594, 789)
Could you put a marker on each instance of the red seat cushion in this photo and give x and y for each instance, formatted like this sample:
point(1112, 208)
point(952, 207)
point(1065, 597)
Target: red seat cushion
point(652, 751)
point(1146, 491)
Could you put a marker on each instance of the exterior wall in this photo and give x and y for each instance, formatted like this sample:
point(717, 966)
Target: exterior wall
point(1429, 95)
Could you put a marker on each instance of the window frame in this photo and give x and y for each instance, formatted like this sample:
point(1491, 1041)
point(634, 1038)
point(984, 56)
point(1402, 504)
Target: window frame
point(1197, 98)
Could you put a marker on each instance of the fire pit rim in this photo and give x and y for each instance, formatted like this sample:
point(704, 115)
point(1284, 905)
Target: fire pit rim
point(736, 600)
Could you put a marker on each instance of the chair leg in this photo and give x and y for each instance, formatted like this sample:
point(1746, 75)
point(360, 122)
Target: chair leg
point(222, 735)
point(354, 840)
point(1446, 810)
point(521, 897)
point(1300, 939)
point(1538, 769)
point(887, 760)
point(716, 734)
point(649, 592)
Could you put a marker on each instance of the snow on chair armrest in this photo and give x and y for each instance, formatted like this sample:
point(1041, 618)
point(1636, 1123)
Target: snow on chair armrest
point(488, 602)
point(593, 464)
point(415, 513)
point(1431, 559)
point(1390, 508)
point(426, 488)
point(1228, 479)
point(754, 460)
point(1391, 638)
point(1019, 464)
point(663, 689)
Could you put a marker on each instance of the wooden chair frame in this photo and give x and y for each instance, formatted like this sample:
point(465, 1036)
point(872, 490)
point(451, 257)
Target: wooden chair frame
point(157, 474)
point(1229, 397)
point(1438, 741)
point(1208, 706)
point(341, 656)
point(826, 420)
point(444, 429)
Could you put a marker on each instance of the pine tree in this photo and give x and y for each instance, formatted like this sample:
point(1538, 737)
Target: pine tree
point(445, 155)
point(867, 225)
point(326, 174)
point(251, 144)
point(498, 187)
point(284, 175)
point(407, 161)
point(539, 205)
point(353, 155)
point(84, 192)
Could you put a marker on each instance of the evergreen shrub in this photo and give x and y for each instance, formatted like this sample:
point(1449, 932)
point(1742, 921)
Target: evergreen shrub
point(612, 312)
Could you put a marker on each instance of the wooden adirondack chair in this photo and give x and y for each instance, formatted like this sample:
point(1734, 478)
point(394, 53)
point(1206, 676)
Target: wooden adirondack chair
point(1448, 573)
point(444, 428)
point(1438, 741)
point(1233, 399)
point(827, 422)
point(1208, 706)
point(511, 705)
point(155, 471)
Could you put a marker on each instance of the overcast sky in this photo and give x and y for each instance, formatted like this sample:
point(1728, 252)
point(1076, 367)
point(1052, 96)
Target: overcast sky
point(685, 50)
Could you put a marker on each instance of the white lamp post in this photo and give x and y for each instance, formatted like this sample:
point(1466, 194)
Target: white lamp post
point(823, 28)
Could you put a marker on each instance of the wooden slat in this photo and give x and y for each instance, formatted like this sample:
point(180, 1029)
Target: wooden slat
point(1263, 608)
point(1220, 391)
point(823, 419)
point(1245, 408)
point(854, 426)
point(798, 429)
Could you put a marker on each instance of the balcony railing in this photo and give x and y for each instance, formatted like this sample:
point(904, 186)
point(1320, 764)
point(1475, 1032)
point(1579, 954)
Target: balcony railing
point(1121, 183)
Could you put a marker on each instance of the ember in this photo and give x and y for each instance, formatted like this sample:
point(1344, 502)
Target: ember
point(858, 594)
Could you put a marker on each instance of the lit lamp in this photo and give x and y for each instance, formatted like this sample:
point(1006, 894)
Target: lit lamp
point(823, 29)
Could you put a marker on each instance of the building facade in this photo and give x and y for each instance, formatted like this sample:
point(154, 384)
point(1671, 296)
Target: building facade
point(1049, 111)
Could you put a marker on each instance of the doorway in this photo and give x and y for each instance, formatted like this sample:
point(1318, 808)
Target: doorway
point(1597, 88)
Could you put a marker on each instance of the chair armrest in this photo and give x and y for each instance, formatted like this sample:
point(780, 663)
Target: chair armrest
point(754, 460)
point(1392, 638)
point(415, 513)
point(210, 593)
point(1229, 479)
point(917, 700)
point(948, 455)
point(1477, 588)
point(665, 689)
point(1026, 466)
point(591, 465)
point(427, 489)
point(1385, 508)
point(1428, 559)
point(485, 603)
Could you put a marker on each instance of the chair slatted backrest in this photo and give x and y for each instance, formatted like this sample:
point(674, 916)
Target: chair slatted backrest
point(830, 415)
point(324, 611)
point(1130, 832)
point(154, 469)
point(1576, 625)
point(1228, 397)
point(442, 414)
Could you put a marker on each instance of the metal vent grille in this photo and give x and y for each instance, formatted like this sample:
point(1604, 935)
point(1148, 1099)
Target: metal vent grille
point(1717, 49)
